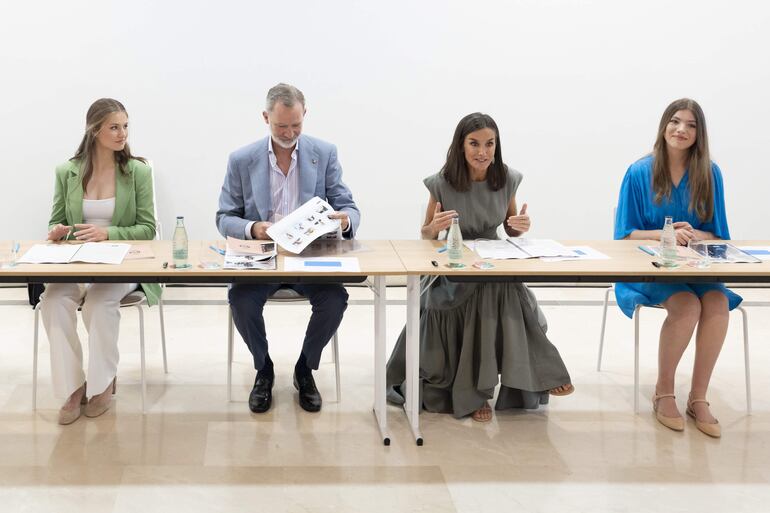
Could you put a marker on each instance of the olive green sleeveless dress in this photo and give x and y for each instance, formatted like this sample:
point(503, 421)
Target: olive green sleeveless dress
point(476, 335)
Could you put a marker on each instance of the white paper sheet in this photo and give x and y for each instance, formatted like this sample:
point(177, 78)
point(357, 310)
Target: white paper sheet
point(580, 253)
point(90, 252)
point(498, 250)
point(517, 248)
point(760, 252)
point(321, 264)
point(537, 248)
point(101, 253)
point(49, 254)
point(306, 224)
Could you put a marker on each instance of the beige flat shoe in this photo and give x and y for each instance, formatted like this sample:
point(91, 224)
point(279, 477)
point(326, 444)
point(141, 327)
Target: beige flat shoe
point(713, 430)
point(675, 423)
point(99, 404)
point(69, 415)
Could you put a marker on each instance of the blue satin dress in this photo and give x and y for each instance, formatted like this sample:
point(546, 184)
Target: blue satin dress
point(637, 210)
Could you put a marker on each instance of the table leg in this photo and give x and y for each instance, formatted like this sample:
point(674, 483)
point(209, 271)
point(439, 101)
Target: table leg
point(380, 407)
point(412, 399)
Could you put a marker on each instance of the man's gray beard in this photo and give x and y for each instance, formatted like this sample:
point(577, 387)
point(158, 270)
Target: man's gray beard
point(286, 146)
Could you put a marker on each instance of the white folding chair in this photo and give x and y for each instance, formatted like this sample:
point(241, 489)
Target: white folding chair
point(282, 295)
point(133, 299)
point(636, 348)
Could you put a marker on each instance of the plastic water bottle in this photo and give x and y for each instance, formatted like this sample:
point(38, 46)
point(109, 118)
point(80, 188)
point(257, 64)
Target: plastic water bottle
point(668, 252)
point(180, 252)
point(454, 244)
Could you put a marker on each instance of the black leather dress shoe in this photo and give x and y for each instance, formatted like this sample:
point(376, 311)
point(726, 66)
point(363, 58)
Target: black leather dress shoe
point(309, 398)
point(261, 395)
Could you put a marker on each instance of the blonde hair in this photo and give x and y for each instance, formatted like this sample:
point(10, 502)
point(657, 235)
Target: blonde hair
point(97, 113)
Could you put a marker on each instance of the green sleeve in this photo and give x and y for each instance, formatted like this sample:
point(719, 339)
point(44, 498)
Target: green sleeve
point(144, 227)
point(58, 212)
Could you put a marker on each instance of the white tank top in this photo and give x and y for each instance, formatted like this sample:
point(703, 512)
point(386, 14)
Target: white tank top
point(98, 212)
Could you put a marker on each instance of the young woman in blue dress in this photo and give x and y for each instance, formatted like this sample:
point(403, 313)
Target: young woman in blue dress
point(678, 179)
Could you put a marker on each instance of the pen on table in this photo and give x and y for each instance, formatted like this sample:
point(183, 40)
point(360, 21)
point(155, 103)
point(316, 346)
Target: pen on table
point(434, 263)
point(442, 249)
point(214, 248)
point(647, 250)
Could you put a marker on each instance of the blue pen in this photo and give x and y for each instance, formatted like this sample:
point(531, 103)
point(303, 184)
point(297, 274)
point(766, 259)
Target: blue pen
point(647, 250)
point(442, 249)
point(220, 251)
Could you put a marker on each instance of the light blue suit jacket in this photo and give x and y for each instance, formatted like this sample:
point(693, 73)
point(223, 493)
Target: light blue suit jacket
point(245, 195)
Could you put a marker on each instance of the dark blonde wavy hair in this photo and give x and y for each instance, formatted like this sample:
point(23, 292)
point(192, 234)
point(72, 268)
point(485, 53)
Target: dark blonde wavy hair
point(698, 165)
point(97, 113)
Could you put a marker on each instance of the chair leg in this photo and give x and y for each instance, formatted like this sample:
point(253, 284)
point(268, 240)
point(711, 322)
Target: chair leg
point(746, 358)
point(229, 354)
point(163, 334)
point(637, 311)
point(604, 325)
point(34, 357)
point(336, 355)
point(141, 357)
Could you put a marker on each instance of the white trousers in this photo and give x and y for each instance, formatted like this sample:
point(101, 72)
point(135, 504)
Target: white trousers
point(101, 316)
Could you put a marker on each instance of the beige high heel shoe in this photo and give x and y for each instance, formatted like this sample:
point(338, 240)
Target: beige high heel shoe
point(68, 416)
point(675, 423)
point(713, 430)
point(99, 404)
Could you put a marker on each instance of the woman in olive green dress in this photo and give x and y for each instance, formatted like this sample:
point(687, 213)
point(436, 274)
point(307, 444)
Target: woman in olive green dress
point(476, 335)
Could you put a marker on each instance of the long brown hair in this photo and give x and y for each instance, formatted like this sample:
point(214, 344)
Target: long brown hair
point(699, 162)
point(455, 170)
point(97, 113)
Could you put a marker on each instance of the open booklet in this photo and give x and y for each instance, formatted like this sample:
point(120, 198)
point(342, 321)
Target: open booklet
point(250, 254)
point(89, 252)
point(306, 224)
point(719, 252)
point(518, 247)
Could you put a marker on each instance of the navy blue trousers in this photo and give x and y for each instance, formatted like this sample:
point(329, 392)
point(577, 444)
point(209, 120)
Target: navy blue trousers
point(328, 302)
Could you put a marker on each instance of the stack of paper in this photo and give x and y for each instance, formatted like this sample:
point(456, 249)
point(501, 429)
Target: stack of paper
point(250, 254)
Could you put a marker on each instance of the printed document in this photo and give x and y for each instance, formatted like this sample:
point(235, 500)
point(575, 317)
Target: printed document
point(90, 253)
point(309, 222)
point(518, 247)
point(250, 254)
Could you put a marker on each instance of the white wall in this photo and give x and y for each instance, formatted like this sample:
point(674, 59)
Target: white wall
point(577, 88)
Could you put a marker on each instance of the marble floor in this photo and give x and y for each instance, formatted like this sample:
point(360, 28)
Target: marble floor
point(193, 451)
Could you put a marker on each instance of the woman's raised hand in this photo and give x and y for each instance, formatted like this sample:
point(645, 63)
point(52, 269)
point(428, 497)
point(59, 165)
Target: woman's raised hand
point(520, 222)
point(441, 220)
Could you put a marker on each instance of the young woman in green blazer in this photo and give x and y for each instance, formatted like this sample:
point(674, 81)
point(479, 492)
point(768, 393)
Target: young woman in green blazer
point(102, 193)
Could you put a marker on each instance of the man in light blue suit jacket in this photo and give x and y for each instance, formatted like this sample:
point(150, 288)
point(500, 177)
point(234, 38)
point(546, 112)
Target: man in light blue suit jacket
point(265, 181)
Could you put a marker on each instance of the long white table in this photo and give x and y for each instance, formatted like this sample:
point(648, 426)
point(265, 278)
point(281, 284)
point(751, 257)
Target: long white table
point(626, 264)
point(377, 259)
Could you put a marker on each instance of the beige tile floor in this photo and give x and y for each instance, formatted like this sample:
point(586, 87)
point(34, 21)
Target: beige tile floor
point(193, 451)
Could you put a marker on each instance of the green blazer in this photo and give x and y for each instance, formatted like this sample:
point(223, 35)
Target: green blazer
point(134, 217)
